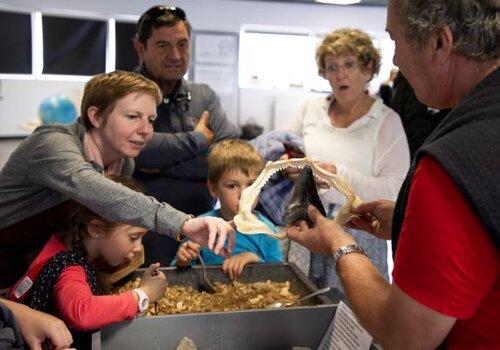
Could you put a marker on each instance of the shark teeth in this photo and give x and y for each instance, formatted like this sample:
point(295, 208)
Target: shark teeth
point(246, 222)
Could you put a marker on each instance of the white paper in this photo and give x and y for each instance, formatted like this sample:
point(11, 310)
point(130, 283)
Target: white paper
point(223, 79)
point(216, 48)
point(347, 333)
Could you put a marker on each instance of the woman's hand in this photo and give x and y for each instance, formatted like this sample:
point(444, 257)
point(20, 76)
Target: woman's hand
point(328, 167)
point(374, 217)
point(210, 232)
point(187, 252)
point(290, 173)
point(153, 282)
point(234, 265)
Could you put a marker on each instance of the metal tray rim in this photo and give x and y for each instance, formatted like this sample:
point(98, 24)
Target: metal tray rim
point(295, 269)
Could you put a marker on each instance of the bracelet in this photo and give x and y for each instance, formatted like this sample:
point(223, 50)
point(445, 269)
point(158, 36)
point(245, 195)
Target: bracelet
point(347, 249)
point(179, 237)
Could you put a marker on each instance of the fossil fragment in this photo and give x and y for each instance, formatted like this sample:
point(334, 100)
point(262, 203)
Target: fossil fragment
point(186, 344)
point(229, 297)
point(304, 192)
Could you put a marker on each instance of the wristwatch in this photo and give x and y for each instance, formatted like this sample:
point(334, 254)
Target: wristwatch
point(347, 249)
point(143, 302)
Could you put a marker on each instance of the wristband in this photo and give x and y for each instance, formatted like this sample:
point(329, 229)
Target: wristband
point(179, 237)
point(143, 303)
point(347, 249)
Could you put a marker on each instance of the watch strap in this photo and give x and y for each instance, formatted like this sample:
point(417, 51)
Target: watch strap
point(347, 249)
point(143, 303)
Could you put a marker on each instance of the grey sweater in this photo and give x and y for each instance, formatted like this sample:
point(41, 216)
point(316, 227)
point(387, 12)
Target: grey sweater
point(49, 167)
point(174, 132)
point(179, 152)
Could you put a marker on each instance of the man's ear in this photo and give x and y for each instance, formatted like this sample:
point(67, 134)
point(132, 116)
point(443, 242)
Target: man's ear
point(94, 117)
point(442, 45)
point(139, 48)
point(212, 188)
point(95, 229)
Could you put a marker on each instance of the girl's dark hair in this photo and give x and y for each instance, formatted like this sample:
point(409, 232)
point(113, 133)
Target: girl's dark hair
point(75, 227)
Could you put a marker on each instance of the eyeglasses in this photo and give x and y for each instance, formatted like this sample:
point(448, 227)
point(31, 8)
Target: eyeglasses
point(349, 66)
point(158, 11)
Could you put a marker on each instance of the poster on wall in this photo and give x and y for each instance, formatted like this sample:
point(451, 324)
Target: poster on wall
point(216, 64)
point(216, 48)
point(223, 80)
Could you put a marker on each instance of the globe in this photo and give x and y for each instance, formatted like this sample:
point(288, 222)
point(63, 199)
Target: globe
point(57, 109)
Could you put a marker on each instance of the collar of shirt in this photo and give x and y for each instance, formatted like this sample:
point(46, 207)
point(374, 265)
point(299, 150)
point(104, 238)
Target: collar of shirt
point(180, 92)
point(373, 113)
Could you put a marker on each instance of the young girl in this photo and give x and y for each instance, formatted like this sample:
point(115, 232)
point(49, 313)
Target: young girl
point(62, 280)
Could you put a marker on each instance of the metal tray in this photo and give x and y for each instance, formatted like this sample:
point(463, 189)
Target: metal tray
point(302, 326)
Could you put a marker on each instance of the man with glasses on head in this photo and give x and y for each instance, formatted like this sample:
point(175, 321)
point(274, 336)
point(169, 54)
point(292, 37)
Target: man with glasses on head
point(173, 167)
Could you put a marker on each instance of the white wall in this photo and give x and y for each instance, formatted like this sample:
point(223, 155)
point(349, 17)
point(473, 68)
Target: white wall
point(21, 98)
point(224, 15)
point(19, 101)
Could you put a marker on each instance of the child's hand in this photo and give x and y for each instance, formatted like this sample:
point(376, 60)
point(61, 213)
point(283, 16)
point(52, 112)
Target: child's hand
point(234, 265)
point(187, 252)
point(153, 282)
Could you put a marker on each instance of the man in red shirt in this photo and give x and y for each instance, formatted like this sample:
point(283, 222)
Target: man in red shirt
point(445, 226)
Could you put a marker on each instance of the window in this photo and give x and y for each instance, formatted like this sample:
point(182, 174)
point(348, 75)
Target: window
point(73, 46)
point(276, 60)
point(288, 60)
point(15, 43)
point(126, 57)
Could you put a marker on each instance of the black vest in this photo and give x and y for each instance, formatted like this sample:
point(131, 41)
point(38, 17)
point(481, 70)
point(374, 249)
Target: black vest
point(40, 297)
point(467, 145)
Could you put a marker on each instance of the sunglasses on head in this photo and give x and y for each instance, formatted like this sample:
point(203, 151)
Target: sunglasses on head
point(158, 11)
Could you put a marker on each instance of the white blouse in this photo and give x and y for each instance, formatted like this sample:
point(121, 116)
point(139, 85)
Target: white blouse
point(372, 153)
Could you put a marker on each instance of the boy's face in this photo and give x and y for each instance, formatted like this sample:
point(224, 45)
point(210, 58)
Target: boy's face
point(228, 189)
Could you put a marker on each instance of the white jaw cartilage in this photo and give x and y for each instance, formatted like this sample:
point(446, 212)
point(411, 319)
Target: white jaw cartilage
point(246, 222)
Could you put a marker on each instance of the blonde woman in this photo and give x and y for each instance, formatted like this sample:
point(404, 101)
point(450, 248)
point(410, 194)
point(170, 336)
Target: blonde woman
point(353, 134)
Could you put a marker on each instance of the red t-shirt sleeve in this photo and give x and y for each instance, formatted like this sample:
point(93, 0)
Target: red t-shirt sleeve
point(445, 260)
point(81, 310)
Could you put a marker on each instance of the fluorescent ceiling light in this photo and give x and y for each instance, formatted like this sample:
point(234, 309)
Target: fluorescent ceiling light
point(339, 2)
